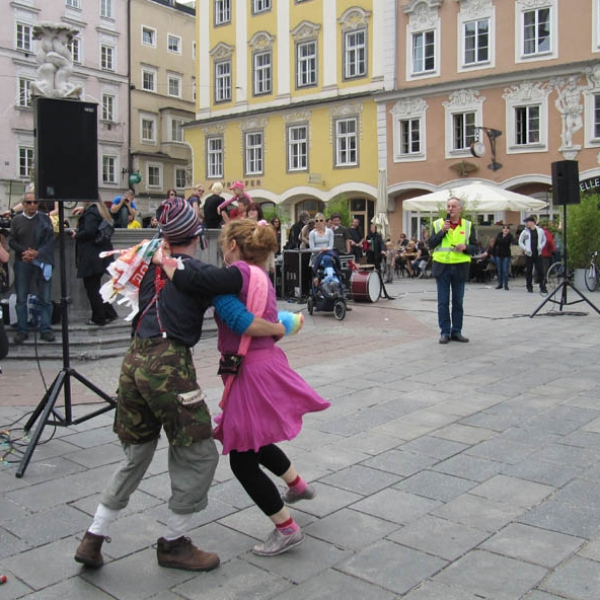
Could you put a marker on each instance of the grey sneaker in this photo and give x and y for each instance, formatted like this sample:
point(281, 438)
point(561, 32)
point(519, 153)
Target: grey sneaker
point(291, 497)
point(278, 543)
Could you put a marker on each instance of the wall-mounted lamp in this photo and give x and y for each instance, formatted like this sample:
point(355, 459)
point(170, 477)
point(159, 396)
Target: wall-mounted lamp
point(478, 147)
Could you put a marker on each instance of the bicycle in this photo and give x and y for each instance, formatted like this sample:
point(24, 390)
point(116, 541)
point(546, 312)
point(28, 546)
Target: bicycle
point(592, 275)
point(554, 276)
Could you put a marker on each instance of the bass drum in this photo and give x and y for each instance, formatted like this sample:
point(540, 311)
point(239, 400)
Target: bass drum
point(365, 286)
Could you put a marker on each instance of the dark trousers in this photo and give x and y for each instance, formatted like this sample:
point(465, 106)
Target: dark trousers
point(451, 286)
point(101, 311)
point(530, 262)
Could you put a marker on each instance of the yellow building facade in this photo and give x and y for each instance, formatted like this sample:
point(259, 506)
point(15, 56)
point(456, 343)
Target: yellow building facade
point(285, 101)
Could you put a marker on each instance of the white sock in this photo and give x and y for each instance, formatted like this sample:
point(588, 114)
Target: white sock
point(177, 525)
point(102, 519)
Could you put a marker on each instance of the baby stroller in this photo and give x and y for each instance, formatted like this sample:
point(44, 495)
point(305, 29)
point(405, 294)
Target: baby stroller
point(327, 290)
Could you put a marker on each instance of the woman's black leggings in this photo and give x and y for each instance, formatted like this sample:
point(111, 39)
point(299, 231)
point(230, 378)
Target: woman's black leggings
point(246, 468)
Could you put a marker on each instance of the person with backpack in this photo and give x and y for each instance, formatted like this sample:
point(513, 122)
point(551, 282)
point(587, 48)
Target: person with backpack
point(93, 235)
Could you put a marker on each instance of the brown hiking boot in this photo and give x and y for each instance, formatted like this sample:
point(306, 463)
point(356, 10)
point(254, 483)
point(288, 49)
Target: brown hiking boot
point(88, 552)
point(182, 554)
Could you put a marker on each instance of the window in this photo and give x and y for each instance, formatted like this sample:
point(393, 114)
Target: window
point(23, 37)
point(174, 43)
point(262, 73)
point(346, 143)
point(107, 58)
point(410, 136)
point(74, 46)
point(154, 175)
point(307, 64)
point(174, 85)
point(214, 157)
point(527, 125)
point(149, 36)
point(176, 130)
point(222, 11)
point(109, 169)
point(106, 9)
point(223, 81)
point(298, 148)
point(25, 161)
point(259, 6)
point(24, 98)
point(253, 152)
point(408, 132)
point(537, 30)
point(180, 178)
point(148, 125)
point(477, 42)
point(149, 79)
point(423, 52)
point(108, 107)
point(74, 3)
point(464, 133)
point(355, 54)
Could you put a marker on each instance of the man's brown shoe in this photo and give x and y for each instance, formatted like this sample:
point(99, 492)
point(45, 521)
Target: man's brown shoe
point(88, 552)
point(182, 554)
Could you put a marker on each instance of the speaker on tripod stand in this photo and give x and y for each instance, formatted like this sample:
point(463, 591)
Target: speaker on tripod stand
point(66, 169)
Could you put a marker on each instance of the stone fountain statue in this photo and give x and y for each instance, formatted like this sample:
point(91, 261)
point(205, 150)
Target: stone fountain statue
point(55, 63)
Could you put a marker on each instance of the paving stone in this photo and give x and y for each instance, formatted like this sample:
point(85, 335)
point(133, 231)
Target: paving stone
point(579, 493)
point(532, 544)
point(469, 467)
point(431, 590)
point(591, 550)
point(481, 513)
point(543, 471)
point(513, 491)
point(485, 574)
point(464, 433)
point(439, 537)
point(567, 455)
point(501, 450)
point(74, 588)
point(95, 457)
point(138, 502)
point(437, 486)
point(396, 506)
point(361, 479)
point(334, 459)
point(579, 521)
point(392, 566)
point(93, 438)
point(435, 447)
point(537, 595)
point(368, 443)
point(350, 529)
point(400, 462)
point(53, 468)
point(578, 579)
point(47, 494)
point(10, 544)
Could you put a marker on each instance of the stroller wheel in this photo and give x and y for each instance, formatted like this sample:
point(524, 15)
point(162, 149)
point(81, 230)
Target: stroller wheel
point(310, 305)
point(339, 310)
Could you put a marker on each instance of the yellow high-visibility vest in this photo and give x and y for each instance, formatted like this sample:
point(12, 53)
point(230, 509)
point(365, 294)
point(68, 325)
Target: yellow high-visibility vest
point(446, 252)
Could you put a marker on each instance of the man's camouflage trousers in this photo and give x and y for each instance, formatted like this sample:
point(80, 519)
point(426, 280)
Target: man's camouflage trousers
point(154, 372)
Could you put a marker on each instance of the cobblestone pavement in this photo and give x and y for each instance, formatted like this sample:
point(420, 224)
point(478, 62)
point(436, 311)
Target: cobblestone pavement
point(455, 472)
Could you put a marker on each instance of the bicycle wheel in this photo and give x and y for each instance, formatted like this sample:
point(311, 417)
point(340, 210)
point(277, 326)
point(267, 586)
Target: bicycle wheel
point(554, 275)
point(591, 277)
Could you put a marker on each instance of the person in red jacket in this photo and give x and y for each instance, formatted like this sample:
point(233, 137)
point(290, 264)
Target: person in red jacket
point(548, 251)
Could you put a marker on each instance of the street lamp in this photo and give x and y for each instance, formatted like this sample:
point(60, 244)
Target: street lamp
point(478, 147)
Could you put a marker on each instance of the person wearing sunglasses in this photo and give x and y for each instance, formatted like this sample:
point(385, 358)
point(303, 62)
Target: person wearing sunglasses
point(321, 237)
point(32, 240)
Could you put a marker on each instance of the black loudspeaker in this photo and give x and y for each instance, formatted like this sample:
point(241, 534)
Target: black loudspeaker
point(66, 149)
point(565, 182)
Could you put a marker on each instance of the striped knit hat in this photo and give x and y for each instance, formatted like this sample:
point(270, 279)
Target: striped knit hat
point(178, 221)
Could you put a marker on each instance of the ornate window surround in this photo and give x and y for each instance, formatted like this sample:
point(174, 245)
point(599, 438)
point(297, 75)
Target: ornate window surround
point(404, 110)
point(461, 101)
point(521, 7)
point(423, 17)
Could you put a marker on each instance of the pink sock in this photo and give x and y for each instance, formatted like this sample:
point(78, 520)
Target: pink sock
point(298, 485)
point(287, 527)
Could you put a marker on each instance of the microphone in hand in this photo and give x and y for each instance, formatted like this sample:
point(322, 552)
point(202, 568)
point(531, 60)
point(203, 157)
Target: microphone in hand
point(447, 216)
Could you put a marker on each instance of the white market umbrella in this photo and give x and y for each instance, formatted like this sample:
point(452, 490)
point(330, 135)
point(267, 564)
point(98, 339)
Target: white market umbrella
point(381, 206)
point(477, 197)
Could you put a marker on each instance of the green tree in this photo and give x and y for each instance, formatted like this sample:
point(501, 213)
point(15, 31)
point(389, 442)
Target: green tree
point(339, 204)
point(583, 230)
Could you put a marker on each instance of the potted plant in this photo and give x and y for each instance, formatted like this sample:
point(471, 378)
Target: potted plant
point(583, 234)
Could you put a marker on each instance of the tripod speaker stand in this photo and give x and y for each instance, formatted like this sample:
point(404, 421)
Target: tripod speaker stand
point(62, 381)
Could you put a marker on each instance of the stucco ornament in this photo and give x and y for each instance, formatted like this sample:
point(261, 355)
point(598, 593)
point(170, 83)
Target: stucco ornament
point(55, 63)
point(570, 107)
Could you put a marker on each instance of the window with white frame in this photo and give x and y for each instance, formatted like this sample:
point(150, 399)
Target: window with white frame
point(214, 157)
point(149, 79)
point(25, 161)
point(109, 169)
point(106, 9)
point(180, 178)
point(74, 46)
point(463, 130)
point(408, 133)
point(464, 113)
point(24, 96)
point(306, 64)
point(355, 54)
point(477, 42)
point(23, 39)
point(423, 35)
point(346, 142)
point(423, 52)
point(174, 43)
point(154, 178)
point(222, 12)
point(174, 85)
point(537, 30)
point(176, 130)
point(259, 6)
point(410, 136)
point(476, 26)
point(253, 153)
point(262, 73)
point(148, 36)
point(596, 117)
point(592, 113)
point(297, 148)
point(148, 129)
point(527, 125)
point(108, 107)
point(107, 58)
point(596, 25)
point(527, 117)
point(73, 3)
point(223, 81)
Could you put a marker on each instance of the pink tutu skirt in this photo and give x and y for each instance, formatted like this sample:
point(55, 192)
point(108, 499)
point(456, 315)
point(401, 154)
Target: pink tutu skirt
point(266, 403)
